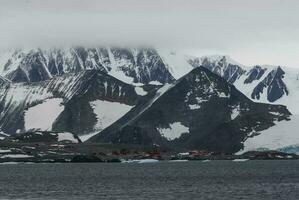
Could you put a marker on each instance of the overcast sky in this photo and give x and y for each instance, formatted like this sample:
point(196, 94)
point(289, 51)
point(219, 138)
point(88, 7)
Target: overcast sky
point(250, 31)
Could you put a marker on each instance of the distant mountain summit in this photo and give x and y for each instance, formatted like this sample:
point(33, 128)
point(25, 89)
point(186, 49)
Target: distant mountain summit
point(128, 65)
point(262, 83)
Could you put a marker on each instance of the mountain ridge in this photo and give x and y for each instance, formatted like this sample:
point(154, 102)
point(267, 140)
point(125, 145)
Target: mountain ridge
point(194, 113)
point(81, 85)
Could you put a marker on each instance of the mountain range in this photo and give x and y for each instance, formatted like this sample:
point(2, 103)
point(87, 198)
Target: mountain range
point(149, 96)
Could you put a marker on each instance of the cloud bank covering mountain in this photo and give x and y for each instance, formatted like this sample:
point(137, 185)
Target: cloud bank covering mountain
point(252, 32)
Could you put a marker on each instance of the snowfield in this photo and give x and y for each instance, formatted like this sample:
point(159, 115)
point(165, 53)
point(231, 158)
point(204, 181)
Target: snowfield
point(283, 134)
point(108, 112)
point(43, 115)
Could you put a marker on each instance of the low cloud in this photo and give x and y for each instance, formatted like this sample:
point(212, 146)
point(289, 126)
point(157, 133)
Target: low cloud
point(266, 31)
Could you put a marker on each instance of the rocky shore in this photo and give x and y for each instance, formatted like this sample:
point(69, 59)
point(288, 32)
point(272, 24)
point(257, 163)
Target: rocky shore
point(75, 153)
point(53, 147)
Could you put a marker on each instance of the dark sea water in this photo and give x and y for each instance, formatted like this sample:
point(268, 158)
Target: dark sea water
point(252, 180)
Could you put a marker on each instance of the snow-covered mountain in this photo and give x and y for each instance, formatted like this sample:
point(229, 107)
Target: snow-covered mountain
point(261, 83)
point(127, 64)
point(89, 90)
point(266, 84)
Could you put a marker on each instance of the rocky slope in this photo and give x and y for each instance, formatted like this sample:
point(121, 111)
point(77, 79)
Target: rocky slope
point(199, 111)
point(65, 102)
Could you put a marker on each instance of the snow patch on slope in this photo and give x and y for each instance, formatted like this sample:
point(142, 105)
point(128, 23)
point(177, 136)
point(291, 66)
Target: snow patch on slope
point(174, 131)
point(155, 83)
point(66, 137)
point(108, 112)
point(43, 115)
point(194, 106)
point(140, 91)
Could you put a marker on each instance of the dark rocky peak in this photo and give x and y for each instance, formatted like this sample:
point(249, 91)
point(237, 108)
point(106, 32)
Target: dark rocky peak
point(254, 74)
point(274, 85)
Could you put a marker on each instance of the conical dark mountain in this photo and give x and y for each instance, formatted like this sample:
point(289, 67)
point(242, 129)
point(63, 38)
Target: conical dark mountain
point(199, 111)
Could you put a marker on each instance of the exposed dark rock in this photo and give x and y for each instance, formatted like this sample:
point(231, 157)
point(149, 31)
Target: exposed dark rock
point(254, 74)
point(274, 85)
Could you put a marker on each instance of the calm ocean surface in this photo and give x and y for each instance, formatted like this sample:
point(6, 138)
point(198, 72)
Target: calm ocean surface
point(187, 180)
